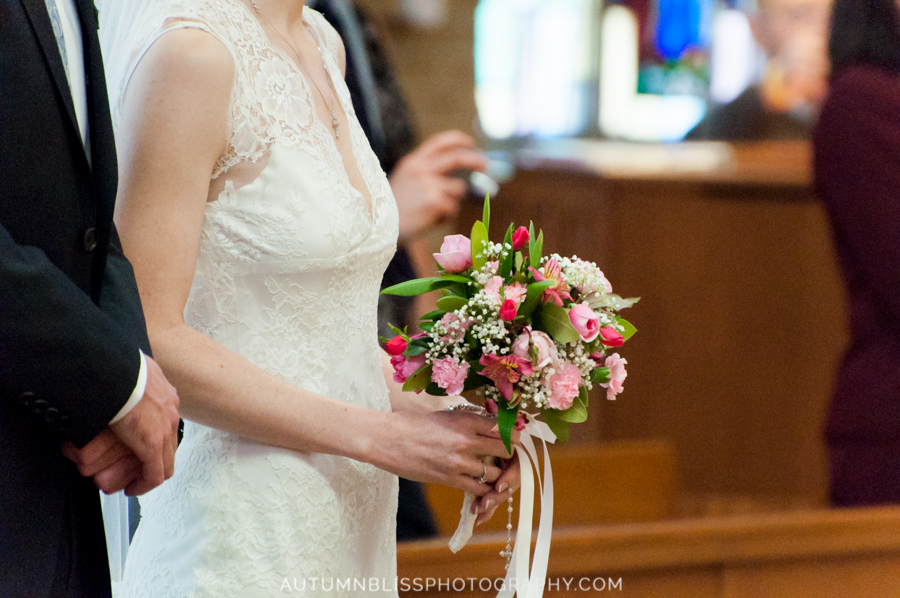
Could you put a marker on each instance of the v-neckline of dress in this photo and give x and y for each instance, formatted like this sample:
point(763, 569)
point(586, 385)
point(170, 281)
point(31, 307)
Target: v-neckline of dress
point(367, 204)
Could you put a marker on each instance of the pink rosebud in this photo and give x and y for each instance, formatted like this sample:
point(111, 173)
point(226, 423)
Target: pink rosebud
point(490, 405)
point(585, 321)
point(617, 376)
point(543, 346)
point(456, 254)
point(449, 374)
point(564, 385)
point(396, 346)
point(404, 368)
point(598, 357)
point(519, 238)
point(508, 310)
point(611, 337)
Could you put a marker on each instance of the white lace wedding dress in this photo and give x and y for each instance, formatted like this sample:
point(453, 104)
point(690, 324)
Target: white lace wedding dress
point(288, 277)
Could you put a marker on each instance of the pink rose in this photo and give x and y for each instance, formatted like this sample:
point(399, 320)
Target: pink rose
point(396, 346)
point(404, 368)
point(585, 321)
point(606, 284)
point(564, 385)
point(515, 291)
point(519, 238)
point(611, 337)
point(492, 289)
point(543, 345)
point(617, 376)
point(449, 374)
point(508, 310)
point(456, 254)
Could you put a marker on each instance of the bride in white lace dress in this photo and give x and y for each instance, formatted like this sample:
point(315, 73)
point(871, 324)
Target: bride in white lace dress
point(259, 224)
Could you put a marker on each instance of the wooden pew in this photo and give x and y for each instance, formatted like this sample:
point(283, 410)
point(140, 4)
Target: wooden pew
point(853, 553)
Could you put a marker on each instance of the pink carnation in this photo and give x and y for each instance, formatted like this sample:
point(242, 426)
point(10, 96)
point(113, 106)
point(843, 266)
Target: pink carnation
point(457, 333)
point(449, 374)
point(564, 385)
point(515, 292)
point(617, 376)
point(492, 289)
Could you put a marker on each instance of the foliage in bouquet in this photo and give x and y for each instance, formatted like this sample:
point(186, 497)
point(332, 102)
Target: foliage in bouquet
point(532, 331)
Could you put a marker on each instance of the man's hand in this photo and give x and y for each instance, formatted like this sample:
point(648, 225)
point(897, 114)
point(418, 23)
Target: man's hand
point(137, 453)
point(425, 191)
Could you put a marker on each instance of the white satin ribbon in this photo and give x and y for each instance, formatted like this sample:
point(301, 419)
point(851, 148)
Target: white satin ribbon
point(518, 578)
point(115, 524)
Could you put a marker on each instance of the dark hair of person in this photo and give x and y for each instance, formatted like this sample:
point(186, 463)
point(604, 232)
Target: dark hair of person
point(865, 33)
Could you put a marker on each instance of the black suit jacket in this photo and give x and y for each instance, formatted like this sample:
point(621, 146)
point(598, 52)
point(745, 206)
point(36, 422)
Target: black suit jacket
point(70, 317)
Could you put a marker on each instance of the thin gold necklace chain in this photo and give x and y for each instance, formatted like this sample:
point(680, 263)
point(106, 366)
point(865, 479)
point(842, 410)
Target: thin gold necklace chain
point(334, 119)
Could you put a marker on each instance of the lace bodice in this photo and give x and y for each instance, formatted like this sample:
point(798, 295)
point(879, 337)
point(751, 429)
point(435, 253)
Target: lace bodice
point(287, 276)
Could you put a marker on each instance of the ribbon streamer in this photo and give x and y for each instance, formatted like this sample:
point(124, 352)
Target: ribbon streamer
point(518, 578)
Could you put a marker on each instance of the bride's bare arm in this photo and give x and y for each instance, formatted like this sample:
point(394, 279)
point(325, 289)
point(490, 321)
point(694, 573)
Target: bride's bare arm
point(172, 131)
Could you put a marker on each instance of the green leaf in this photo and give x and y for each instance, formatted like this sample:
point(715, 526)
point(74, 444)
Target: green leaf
point(453, 278)
point(451, 303)
point(411, 288)
point(557, 425)
point(413, 350)
point(420, 380)
point(435, 390)
point(479, 238)
point(506, 420)
point(577, 413)
point(537, 249)
point(600, 375)
point(556, 323)
point(426, 326)
point(474, 380)
point(433, 315)
point(533, 296)
point(396, 330)
point(629, 328)
point(486, 213)
point(531, 242)
point(506, 263)
point(519, 261)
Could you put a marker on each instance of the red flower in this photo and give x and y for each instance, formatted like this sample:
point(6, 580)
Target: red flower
point(611, 337)
point(520, 237)
point(508, 310)
point(504, 371)
point(396, 346)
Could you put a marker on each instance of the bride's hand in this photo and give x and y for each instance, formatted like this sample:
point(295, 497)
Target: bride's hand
point(441, 447)
point(503, 488)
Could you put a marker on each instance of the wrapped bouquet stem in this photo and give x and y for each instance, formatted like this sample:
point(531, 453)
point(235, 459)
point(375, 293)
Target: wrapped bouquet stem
point(532, 333)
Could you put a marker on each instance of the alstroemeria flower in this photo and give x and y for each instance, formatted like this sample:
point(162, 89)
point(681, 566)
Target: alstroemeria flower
point(560, 290)
point(504, 371)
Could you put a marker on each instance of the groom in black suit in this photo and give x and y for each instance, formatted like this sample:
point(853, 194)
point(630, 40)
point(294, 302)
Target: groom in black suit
point(75, 369)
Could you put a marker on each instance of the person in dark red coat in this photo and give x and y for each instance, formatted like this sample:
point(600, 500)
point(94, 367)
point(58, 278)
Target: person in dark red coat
point(857, 176)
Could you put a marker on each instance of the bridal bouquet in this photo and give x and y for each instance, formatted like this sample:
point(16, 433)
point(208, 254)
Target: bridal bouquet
point(533, 332)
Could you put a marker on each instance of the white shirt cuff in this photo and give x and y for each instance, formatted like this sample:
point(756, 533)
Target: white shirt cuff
point(137, 394)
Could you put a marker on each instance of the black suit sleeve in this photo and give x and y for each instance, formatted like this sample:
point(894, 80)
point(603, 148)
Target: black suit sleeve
point(66, 361)
point(119, 298)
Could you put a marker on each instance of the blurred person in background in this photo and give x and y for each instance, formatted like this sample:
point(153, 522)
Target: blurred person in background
point(422, 178)
point(857, 175)
point(785, 102)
